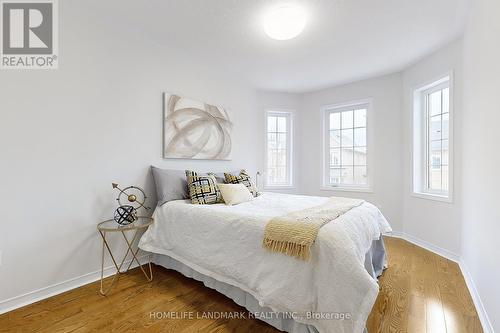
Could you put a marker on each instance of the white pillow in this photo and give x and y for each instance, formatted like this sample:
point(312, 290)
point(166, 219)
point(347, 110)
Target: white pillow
point(233, 194)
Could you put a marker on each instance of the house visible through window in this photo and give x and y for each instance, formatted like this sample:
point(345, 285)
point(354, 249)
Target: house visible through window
point(346, 146)
point(279, 148)
point(432, 139)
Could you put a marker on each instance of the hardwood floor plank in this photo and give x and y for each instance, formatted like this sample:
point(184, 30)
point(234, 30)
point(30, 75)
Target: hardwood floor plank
point(435, 319)
point(417, 314)
point(419, 292)
point(457, 303)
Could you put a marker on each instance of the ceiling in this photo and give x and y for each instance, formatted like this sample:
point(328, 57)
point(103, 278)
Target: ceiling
point(344, 40)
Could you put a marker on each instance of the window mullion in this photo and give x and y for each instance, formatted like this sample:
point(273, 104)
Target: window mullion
point(353, 144)
point(427, 142)
point(441, 143)
point(341, 164)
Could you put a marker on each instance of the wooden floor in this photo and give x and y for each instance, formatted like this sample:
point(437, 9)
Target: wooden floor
point(419, 292)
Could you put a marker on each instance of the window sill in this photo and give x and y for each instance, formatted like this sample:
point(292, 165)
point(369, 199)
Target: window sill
point(280, 187)
point(347, 189)
point(433, 197)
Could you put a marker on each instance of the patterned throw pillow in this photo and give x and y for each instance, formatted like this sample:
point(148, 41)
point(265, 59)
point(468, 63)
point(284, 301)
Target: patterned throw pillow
point(203, 189)
point(244, 179)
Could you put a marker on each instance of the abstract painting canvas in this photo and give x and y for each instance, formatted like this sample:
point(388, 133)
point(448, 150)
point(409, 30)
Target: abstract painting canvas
point(195, 130)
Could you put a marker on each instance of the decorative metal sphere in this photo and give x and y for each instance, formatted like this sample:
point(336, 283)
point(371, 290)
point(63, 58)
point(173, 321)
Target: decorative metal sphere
point(132, 198)
point(125, 215)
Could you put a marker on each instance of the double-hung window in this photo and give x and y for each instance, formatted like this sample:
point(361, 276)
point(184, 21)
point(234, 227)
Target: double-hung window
point(432, 139)
point(346, 146)
point(279, 149)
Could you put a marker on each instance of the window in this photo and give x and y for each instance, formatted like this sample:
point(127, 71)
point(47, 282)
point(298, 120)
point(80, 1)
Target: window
point(432, 139)
point(346, 159)
point(279, 149)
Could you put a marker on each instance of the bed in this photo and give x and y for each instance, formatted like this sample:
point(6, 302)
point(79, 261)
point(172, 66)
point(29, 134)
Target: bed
point(221, 246)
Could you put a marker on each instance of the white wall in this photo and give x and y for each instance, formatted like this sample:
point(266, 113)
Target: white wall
point(435, 222)
point(288, 102)
point(67, 134)
point(386, 125)
point(481, 157)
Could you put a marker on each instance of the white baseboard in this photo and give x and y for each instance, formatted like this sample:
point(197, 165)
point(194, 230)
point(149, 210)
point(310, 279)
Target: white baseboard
point(58, 288)
point(481, 311)
point(426, 245)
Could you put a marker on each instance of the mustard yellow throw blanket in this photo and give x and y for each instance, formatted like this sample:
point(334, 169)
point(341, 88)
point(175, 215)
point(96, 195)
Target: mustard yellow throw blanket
point(294, 234)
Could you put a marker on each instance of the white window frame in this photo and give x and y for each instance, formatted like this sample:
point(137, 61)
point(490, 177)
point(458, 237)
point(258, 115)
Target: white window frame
point(289, 114)
point(325, 130)
point(420, 139)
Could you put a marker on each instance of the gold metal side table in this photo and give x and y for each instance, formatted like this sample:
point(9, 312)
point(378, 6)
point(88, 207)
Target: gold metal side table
point(104, 227)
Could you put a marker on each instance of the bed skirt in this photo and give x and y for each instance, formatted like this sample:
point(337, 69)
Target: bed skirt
point(375, 261)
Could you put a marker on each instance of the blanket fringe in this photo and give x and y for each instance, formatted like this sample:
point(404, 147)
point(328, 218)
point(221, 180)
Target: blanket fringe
point(298, 251)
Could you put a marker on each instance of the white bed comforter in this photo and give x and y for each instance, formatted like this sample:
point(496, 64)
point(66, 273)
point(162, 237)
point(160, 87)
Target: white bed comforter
point(224, 242)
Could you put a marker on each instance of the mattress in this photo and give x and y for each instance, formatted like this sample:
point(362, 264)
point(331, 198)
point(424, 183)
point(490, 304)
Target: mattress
point(224, 243)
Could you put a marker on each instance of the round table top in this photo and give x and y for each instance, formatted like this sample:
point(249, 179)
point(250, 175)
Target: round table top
point(111, 225)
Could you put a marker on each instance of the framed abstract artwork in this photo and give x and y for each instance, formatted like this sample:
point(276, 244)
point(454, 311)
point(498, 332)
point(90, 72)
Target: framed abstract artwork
point(195, 130)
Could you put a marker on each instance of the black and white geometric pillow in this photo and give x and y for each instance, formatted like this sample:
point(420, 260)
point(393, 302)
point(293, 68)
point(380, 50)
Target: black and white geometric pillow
point(242, 178)
point(203, 189)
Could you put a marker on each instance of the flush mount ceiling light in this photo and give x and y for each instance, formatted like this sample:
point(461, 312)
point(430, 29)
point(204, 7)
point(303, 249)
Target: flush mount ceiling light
point(284, 22)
